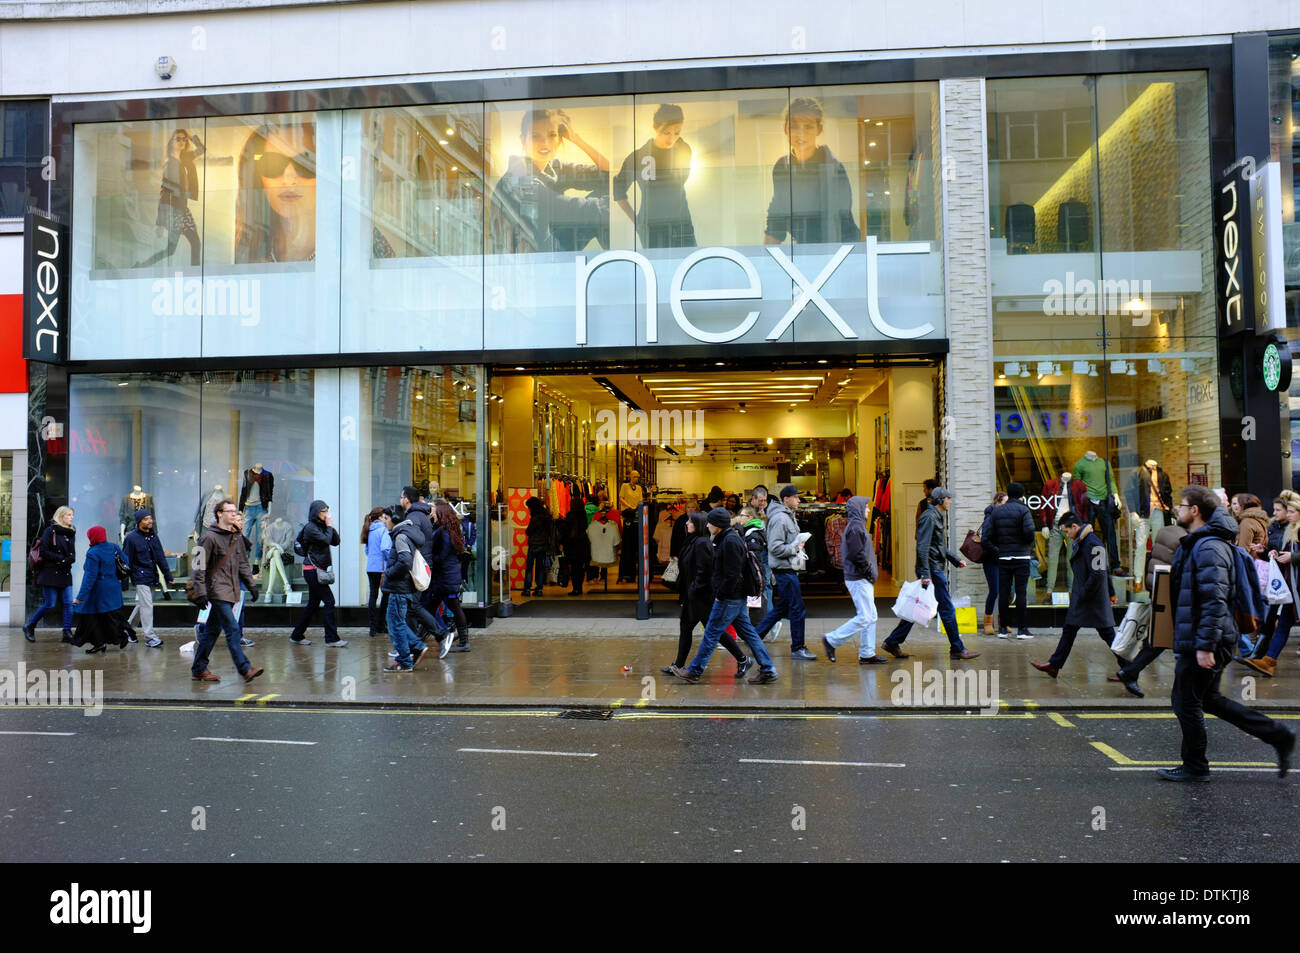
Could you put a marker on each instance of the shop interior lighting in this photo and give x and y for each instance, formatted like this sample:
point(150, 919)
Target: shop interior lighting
point(742, 407)
point(1092, 370)
point(1024, 370)
point(1155, 366)
point(769, 441)
point(1011, 370)
point(1187, 364)
point(1118, 367)
point(1132, 368)
point(1080, 367)
point(1044, 369)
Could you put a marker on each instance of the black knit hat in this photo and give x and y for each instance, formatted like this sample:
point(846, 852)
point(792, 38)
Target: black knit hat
point(719, 517)
point(1016, 490)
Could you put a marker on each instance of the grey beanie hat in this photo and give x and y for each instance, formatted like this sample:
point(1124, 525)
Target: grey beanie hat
point(719, 517)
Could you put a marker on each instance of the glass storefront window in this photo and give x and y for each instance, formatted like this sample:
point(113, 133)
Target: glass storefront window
point(1103, 302)
point(1284, 110)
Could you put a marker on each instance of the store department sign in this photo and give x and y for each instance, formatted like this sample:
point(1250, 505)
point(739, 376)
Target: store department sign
point(1248, 248)
point(751, 277)
point(45, 289)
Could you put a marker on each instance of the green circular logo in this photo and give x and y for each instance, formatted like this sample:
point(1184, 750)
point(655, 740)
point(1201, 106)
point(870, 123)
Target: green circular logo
point(1272, 367)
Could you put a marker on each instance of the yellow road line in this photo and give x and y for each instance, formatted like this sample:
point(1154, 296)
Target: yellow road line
point(644, 702)
point(243, 698)
point(266, 698)
point(1030, 703)
point(616, 703)
point(1060, 719)
point(1122, 759)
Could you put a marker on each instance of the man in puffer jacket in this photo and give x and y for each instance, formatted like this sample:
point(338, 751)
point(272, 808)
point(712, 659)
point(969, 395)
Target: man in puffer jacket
point(407, 540)
point(782, 547)
point(1202, 584)
point(145, 555)
point(859, 560)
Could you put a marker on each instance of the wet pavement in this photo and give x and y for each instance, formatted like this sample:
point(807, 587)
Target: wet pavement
point(327, 785)
point(614, 663)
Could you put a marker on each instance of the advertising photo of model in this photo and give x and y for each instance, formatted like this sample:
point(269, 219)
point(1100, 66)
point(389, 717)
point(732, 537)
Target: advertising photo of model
point(812, 200)
point(534, 185)
point(275, 208)
point(660, 169)
point(180, 186)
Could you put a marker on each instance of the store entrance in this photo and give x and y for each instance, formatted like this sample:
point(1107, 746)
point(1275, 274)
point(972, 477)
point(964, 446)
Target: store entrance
point(570, 443)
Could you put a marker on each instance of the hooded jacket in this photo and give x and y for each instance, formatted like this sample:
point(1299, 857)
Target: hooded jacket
point(695, 581)
point(378, 544)
point(782, 535)
point(145, 554)
point(421, 514)
point(317, 538)
point(1091, 588)
point(931, 548)
point(1252, 530)
point(729, 565)
point(1201, 586)
point(225, 562)
point(1010, 529)
point(857, 555)
point(58, 553)
point(407, 541)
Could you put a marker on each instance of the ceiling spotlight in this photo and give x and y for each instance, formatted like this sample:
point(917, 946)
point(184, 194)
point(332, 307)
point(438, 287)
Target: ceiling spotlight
point(1092, 369)
point(519, 367)
point(1132, 369)
point(821, 360)
point(494, 443)
point(769, 441)
point(1003, 373)
point(1155, 366)
point(742, 407)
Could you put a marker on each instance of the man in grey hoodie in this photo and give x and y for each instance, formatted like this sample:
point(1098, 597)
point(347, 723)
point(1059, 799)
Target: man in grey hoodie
point(859, 559)
point(783, 546)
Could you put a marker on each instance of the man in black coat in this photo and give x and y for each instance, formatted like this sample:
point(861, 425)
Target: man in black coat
point(1202, 579)
point(1091, 594)
point(730, 560)
point(144, 554)
point(1009, 528)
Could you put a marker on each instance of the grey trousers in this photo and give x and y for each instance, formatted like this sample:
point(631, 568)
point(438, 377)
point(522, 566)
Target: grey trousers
point(143, 609)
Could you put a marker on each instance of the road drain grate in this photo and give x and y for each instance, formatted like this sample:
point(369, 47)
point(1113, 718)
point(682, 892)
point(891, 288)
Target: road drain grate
point(591, 714)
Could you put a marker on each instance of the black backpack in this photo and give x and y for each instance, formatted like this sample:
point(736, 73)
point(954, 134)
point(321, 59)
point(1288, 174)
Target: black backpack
point(299, 547)
point(752, 574)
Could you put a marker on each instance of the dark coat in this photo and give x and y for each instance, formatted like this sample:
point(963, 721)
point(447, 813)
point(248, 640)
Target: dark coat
point(695, 583)
point(1137, 491)
point(444, 569)
point(538, 532)
point(317, 538)
point(407, 541)
point(1275, 531)
point(1010, 528)
point(931, 547)
point(58, 554)
point(1091, 590)
point(576, 542)
point(729, 557)
point(857, 555)
point(679, 537)
point(1201, 586)
point(225, 561)
point(145, 553)
point(420, 514)
point(100, 589)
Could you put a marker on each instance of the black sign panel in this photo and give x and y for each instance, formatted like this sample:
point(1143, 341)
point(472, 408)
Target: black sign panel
point(45, 289)
point(1232, 255)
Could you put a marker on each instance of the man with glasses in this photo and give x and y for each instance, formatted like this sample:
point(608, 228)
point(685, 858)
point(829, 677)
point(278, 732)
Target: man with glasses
point(1202, 581)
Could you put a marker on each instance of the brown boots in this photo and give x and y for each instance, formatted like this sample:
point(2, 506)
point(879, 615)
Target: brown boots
point(988, 625)
point(1265, 666)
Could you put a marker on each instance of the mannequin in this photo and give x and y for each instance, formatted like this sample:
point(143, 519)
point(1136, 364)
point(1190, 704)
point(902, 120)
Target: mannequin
point(206, 515)
point(1060, 495)
point(255, 500)
point(278, 535)
point(1099, 480)
point(1150, 499)
point(137, 499)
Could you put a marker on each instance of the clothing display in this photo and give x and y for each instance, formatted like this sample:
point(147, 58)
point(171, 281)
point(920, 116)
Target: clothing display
point(258, 488)
point(1099, 480)
point(206, 515)
point(605, 537)
point(137, 499)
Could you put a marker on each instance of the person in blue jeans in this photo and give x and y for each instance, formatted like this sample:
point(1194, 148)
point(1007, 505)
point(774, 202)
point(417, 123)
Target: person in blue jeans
point(58, 549)
point(220, 571)
point(730, 588)
point(931, 553)
point(407, 539)
point(783, 551)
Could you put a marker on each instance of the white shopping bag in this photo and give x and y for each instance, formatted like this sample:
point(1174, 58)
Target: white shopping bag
point(1132, 631)
point(1278, 591)
point(188, 649)
point(916, 603)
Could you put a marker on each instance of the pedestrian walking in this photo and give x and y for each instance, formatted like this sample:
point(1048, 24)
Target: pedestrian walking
point(734, 577)
point(577, 546)
point(783, 548)
point(99, 601)
point(219, 572)
point(759, 499)
point(406, 538)
point(1202, 581)
point(1091, 593)
point(538, 535)
point(444, 571)
point(1277, 625)
point(990, 563)
point(318, 536)
point(1163, 548)
point(144, 554)
point(695, 596)
point(58, 553)
point(858, 557)
point(1252, 524)
point(1010, 529)
point(375, 538)
point(931, 553)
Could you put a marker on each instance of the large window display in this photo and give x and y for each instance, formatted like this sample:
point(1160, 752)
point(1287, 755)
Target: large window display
point(1105, 355)
point(513, 224)
point(273, 441)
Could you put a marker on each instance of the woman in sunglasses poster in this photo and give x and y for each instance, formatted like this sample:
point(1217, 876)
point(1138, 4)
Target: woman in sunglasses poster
point(180, 186)
point(275, 211)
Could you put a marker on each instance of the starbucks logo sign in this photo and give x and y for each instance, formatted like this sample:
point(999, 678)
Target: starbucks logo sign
point(1275, 365)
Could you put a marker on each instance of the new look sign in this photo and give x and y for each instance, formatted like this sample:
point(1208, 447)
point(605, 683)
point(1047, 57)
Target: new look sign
point(45, 289)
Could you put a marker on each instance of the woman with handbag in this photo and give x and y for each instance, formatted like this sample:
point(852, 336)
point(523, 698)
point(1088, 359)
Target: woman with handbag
point(99, 601)
point(318, 535)
point(57, 551)
point(695, 595)
point(989, 561)
point(1288, 557)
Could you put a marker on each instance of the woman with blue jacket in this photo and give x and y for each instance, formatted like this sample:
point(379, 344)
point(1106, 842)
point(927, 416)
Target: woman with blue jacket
point(374, 536)
point(99, 601)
